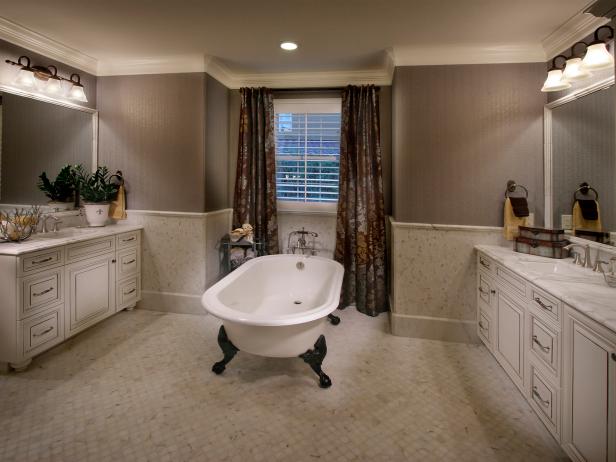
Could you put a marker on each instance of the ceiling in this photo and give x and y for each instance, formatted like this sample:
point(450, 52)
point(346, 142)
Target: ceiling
point(334, 35)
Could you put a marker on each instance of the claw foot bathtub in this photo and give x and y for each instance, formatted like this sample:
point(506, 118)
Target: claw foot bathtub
point(277, 306)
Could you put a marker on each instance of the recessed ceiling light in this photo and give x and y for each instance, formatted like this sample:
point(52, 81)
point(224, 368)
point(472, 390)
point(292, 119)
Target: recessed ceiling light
point(288, 46)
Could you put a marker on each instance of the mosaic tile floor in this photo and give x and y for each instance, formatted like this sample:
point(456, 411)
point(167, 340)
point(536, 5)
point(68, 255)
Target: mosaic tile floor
point(138, 387)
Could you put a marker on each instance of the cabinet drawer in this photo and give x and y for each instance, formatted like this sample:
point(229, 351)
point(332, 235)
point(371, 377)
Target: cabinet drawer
point(549, 307)
point(545, 401)
point(40, 291)
point(129, 292)
point(42, 332)
point(485, 263)
point(129, 239)
point(483, 329)
point(511, 281)
point(486, 289)
point(33, 262)
point(128, 263)
point(87, 249)
point(544, 343)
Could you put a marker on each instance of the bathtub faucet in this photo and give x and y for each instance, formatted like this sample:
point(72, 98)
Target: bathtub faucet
point(301, 244)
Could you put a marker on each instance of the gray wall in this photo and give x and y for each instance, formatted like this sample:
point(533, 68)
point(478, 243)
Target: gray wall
point(385, 101)
point(216, 145)
point(583, 150)
point(37, 137)
point(13, 52)
point(459, 133)
point(152, 127)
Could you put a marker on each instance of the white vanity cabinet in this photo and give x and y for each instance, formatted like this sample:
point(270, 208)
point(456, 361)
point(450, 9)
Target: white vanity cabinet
point(563, 362)
point(64, 287)
point(590, 389)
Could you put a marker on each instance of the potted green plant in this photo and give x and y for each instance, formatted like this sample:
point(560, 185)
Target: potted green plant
point(61, 191)
point(97, 190)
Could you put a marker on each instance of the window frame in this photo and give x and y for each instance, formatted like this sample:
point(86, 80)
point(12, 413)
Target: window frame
point(308, 105)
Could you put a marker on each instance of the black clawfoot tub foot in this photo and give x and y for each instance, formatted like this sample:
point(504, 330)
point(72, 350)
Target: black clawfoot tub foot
point(315, 358)
point(335, 320)
point(228, 349)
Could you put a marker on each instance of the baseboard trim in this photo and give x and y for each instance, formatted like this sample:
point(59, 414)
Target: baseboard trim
point(444, 329)
point(170, 302)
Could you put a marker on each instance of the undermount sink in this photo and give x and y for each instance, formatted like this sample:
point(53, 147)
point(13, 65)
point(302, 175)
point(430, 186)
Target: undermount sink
point(64, 233)
point(556, 267)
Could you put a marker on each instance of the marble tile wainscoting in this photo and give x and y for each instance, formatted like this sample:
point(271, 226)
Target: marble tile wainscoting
point(322, 223)
point(180, 257)
point(433, 286)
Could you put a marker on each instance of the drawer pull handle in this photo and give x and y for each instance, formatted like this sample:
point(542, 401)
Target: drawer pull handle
point(44, 260)
point(540, 398)
point(129, 262)
point(129, 239)
point(543, 305)
point(130, 291)
point(481, 326)
point(46, 291)
point(546, 349)
point(46, 331)
point(486, 292)
point(484, 263)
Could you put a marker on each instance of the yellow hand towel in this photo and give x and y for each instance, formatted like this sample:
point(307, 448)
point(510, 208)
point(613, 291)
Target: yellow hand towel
point(511, 223)
point(579, 222)
point(117, 209)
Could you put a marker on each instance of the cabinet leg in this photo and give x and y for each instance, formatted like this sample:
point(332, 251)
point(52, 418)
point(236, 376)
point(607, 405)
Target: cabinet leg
point(314, 358)
point(228, 350)
point(21, 366)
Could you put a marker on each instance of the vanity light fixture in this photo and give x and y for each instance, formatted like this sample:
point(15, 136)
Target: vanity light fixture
point(597, 55)
point(574, 69)
point(46, 80)
point(288, 46)
point(555, 80)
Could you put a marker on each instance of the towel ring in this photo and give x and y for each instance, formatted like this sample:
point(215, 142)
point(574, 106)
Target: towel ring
point(119, 176)
point(585, 188)
point(512, 186)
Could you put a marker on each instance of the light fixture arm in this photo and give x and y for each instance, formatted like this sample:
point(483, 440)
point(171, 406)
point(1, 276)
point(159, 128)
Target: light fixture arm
point(609, 37)
point(578, 55)
point(554, 66)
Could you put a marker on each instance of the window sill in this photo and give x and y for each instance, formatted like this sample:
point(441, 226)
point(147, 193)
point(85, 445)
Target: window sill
point(303, 208)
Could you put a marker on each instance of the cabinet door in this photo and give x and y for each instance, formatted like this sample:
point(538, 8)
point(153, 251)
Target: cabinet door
point(510, 338)
point(591, 391)
point(91, 294)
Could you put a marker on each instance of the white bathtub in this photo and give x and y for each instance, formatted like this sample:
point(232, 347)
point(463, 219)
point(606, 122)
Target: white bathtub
point(276, 305)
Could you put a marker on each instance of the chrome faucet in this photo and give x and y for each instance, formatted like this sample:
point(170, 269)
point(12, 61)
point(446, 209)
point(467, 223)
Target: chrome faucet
point(301, 245)
point(54, 226)
point(577, 259)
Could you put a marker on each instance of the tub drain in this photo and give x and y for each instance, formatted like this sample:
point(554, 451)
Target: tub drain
point(297, 302)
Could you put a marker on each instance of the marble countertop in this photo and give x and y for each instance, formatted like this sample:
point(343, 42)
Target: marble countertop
point(63, 237)
point(578, 287)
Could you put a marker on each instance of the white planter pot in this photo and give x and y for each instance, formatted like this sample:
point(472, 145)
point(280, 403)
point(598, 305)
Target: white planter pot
point(96, 213)
point(60, 206)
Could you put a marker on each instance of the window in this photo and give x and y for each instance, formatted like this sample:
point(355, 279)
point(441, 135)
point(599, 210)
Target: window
point(307, 153)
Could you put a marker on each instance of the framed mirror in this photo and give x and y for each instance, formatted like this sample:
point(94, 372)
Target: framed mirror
point(39, 134)
point(580, 162)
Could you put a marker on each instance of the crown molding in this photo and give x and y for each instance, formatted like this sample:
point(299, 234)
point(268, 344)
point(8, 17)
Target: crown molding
point(468, 54)
point(573, 30)
point(157, 65)
point(33, 41)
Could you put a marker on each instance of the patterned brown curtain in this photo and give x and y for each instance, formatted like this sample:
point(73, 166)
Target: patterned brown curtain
point(255, 179)
point(360, 227)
